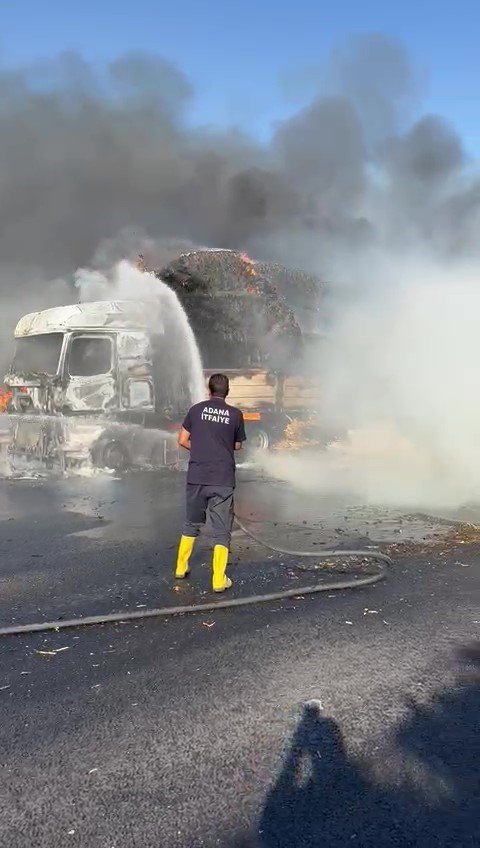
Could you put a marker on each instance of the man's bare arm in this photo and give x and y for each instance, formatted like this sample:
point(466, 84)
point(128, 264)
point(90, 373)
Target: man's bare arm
point(184, 439)
point(238, 446)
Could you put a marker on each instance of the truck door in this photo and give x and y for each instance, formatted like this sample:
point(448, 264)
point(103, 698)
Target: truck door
point(91, 384)
point(135, 373)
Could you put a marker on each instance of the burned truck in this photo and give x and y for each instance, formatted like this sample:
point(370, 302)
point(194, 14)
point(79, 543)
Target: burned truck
point(108, 381)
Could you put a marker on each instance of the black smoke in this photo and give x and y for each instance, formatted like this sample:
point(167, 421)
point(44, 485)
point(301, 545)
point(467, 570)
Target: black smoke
point(97, 164)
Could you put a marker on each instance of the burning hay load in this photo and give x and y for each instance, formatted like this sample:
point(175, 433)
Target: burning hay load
point(240, 310)
point(304, 293)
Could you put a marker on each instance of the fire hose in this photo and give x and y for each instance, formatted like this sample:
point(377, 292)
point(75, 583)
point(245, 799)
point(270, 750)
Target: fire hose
point(161, 612)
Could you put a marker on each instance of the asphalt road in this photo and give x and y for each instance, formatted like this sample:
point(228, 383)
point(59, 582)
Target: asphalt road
point(191, 731)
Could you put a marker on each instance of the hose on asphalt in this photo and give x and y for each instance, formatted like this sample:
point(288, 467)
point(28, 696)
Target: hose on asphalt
point(162, 612)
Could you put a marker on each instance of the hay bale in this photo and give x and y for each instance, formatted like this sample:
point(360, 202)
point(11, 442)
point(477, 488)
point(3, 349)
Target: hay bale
point(239, 309)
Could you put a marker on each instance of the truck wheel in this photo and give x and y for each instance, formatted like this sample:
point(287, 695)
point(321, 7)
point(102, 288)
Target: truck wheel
point(258, 439)
point(111, 454)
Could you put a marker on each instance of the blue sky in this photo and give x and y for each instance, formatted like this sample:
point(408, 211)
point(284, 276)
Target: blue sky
point(249, 60)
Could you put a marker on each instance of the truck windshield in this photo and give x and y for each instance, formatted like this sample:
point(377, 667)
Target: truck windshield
point(38, 354)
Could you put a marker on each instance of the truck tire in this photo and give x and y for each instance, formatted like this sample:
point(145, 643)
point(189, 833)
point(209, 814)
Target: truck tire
point(258, 439)
point(111, 454)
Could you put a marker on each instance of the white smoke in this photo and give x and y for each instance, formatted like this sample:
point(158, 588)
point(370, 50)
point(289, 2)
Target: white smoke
point(400, 380)
point(125, 282)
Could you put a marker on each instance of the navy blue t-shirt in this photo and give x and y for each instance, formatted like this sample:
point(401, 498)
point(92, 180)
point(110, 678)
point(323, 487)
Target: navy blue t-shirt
point(214, 427)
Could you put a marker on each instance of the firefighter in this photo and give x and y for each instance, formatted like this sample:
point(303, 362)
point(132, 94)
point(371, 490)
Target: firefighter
point(212, 431)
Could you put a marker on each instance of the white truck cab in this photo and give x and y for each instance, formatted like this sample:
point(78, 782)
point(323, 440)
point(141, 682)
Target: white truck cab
point(92, 362)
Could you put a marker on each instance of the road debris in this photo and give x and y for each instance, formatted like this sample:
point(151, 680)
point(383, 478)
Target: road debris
point(52, 653)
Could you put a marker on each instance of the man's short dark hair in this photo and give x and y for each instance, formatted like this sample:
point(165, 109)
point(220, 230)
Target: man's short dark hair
point(219, 385)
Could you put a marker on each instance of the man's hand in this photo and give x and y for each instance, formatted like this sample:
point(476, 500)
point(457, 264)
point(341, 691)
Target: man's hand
point(184, 439)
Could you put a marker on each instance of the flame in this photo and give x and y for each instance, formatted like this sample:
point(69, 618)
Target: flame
point(250, 263)
point(250, 271)
point(5, 398)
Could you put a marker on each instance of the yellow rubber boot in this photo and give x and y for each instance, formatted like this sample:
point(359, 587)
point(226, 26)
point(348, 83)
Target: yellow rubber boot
point(220, 558)
point(185, 549)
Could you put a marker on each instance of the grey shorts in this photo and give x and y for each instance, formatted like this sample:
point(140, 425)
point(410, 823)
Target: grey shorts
point(217, 501)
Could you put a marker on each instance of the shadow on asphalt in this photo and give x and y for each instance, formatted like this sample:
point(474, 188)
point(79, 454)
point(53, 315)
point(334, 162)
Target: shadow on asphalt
point(339, 804)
